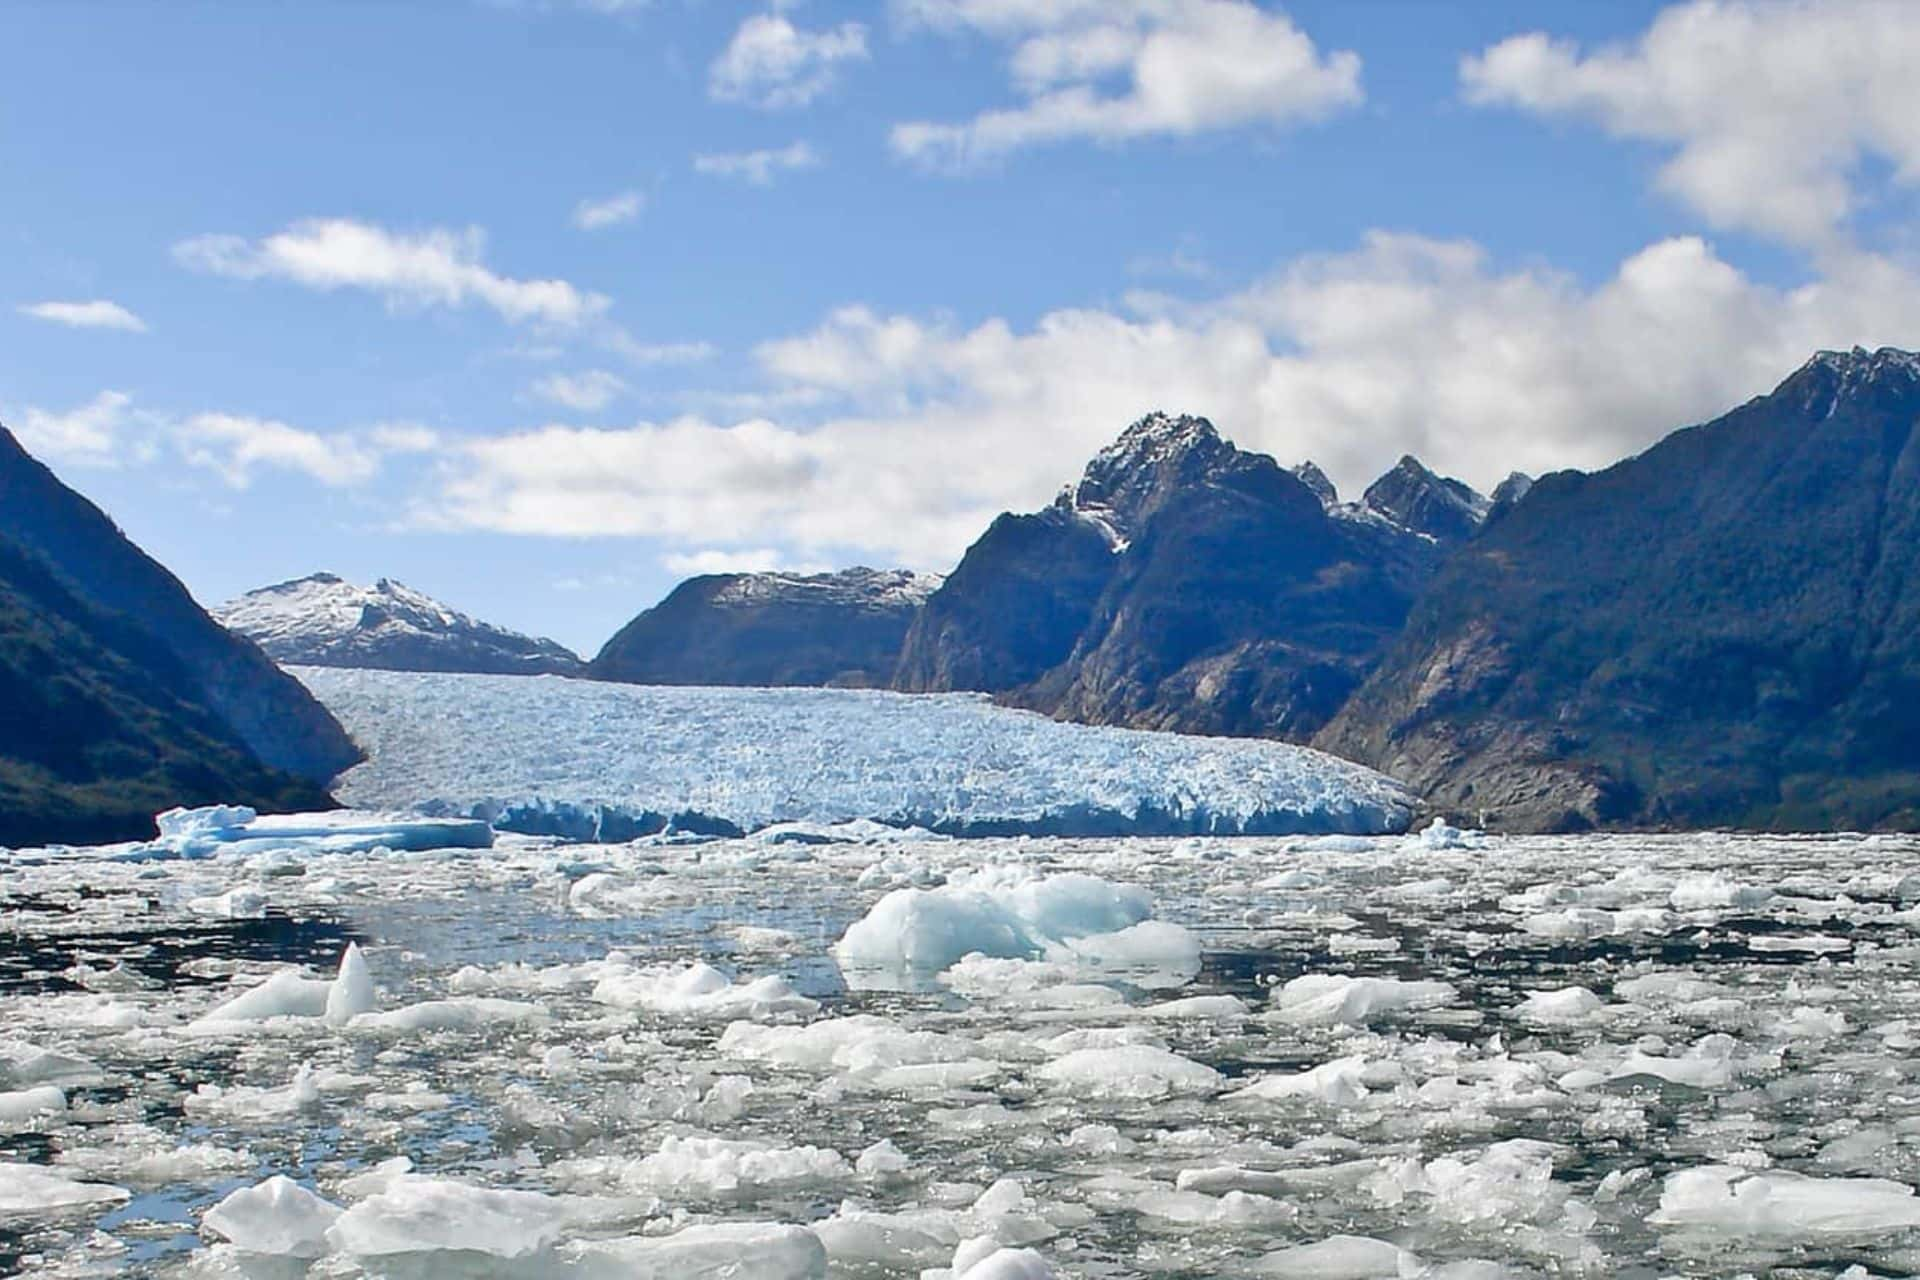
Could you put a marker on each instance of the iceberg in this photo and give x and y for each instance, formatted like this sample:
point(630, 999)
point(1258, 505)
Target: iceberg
point(607, 762)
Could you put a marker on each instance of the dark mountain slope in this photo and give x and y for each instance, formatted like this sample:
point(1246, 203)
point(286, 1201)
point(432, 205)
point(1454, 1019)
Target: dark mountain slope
point(269, 710)
point(1724, 630)
point(98, 726)
point(1182, 584)
point(770, 629)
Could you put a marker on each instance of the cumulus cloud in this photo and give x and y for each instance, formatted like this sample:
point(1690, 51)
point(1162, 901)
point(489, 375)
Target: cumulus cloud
point(236, 446)
point(593, 215)
point(94, 434)
point(925, 429)
point(1769, 108)
point(432, 268)
point(646, 355)
point(773, 64)
point(687, 564)
point(587, 392)
point(98, 314)
point(1110, 70)
point(757, 167)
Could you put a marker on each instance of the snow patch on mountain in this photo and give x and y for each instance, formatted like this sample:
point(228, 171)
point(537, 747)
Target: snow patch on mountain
point(324, 620)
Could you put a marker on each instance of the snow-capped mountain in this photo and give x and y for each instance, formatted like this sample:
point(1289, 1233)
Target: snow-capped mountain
point(841, 628)
point(1184, 583)
point(325, 621)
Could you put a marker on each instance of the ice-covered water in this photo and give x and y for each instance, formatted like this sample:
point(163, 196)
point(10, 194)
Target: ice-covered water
point(587, 760)
point(1434, 1056)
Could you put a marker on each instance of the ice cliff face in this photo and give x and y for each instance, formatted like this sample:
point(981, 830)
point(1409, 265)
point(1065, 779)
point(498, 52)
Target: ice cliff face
point(842, 629)
point(324, 620)
point(1187, 584)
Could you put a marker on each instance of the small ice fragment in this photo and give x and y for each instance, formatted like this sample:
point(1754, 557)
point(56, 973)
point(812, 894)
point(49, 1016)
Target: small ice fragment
point(351, 992)
point(30, 1188)
point(279, 1216)
point(1339, 1258)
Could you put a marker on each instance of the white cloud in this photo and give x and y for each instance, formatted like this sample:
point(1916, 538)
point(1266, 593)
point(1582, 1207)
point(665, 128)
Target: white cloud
point(773, 64)
point(757, 167)
point(431, 268)
point(236, 446)
point(98, 314)
point(92, 435)
point(404, 437)
point(1770, 108)
point(646, 355)
point(587, 392)
point(1183, 67)
point(593, 215)
point(1404, 344)
point(733, 560)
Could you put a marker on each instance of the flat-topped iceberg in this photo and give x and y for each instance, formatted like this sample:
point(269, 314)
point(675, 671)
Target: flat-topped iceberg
point(584, 760)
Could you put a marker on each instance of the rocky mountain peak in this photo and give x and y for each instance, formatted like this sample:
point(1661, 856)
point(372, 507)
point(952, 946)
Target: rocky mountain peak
point(1413, 497)
point(1157, 450)
point(1310, 475)
point(1832, 378)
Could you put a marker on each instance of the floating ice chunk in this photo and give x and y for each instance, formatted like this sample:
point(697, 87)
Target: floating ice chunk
point(702, 991)
point(867, 1243)
point(1565, 1006)
point(213, 820)
point(25, 1104)
point(882, 1160)
point(202, 833)
point(463, 1013)
point(1708, 1064)
point(1438, 835)
point(1507, 1184)
point(1130, 1071)
point(279, 1216)
point(1234, 1210)
point(1339, 1258)
point(1197, 1008)
point(351, 992)
point(415, 1215)
point(1335, 1083)
point(862, 1043)
point(247, 1102)
point(24, 1065)
point(717, 1251)
point(1009, 913)
point(1780, 1206)
point(1003, 1264)
point(235, 904)
point(288, 993)
point(31, 1188)
point(1716, 890)
point(718, 1167)
point(1316, 999)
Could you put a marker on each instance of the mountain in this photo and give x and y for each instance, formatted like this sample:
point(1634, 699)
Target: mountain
point(325, 621)
point(106, 575)
point(840, 629)
point(101, 726)
point(1186, 584)
point(1724, 630)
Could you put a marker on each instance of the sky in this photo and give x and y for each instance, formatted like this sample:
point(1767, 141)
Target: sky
point(540, 306)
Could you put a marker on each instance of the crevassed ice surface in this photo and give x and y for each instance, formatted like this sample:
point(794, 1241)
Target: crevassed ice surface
point(591, 760)
point(1430, 1056)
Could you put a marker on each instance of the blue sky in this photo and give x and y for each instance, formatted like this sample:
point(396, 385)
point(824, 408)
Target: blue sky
point(540, 306)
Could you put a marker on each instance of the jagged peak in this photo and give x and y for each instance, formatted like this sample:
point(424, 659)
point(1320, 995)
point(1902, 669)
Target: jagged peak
point(1157, 447)
point(1515, 487)
point(1412, 496)
point(1861, 360)
point(1310, 474)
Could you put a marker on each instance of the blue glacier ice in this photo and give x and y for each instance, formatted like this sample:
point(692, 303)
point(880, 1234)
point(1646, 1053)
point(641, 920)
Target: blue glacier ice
point(592, 761)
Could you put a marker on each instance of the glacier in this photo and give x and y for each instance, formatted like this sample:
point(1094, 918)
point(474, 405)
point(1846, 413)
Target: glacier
point(589, 761)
